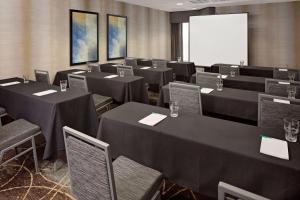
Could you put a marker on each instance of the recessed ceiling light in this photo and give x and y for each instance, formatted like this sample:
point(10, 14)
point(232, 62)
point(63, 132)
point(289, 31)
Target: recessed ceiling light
point(179, 4)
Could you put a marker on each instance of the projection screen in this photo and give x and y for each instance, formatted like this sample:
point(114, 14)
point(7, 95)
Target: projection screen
point(219, 39)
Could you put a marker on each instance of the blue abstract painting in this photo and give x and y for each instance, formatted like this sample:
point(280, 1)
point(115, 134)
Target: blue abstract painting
point(117, 37)
point(84, 37)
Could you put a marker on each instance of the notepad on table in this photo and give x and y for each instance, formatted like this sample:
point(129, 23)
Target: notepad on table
point(274, 147)
point(281, 101)
point(173, 62)
point(234, 66)
point(206, 90)
point(10, 83)
point(223, 76)
point(145, 67)
point(152, 119)
point(79, 72)
point(115, 65)
point(43, 93)
point(283, 83)
point(283, 70)
point(111, 76)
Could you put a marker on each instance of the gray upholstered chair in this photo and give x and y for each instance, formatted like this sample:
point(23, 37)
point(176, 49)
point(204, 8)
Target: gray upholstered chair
point(15, 134)
point(159, 63)
point(273, 109)
point(226, 70)
point(128, 70)
point(78, 81)
point(2, 114)
point(42, 76)
point(283, 74)
point(187, 96)
point(229, 192)
point(206, 79)
point(280, 87)
point(94, 67)
point(131, 62)
point(93, 176)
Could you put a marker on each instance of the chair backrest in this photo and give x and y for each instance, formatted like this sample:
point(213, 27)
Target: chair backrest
point(95, 67)
point(159, 63)
point(77, 81)
point(273, 109)
point(283, 74)
point(42, 76)
point(187, 96)
point(128, 70)
point(228, 192)
point(226, 69)
point(131, 62)
point(280, 87)
point(206, 79)
point(200, 69)
point(90, 166)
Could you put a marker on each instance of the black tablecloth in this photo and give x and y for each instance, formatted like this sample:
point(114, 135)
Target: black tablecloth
point(241, 104)
point(252, 83)
point(121, 89)
point(72, 108)
point(144, 62)
point(198, 151)
point(183, 70)
point(158, 76)
point(266, 72)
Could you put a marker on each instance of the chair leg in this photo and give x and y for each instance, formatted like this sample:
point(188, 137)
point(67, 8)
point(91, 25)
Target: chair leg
point(35, 155)
point(1, 157)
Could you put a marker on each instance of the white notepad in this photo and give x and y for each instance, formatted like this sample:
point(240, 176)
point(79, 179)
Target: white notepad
point(145, 67)
point(153, 119)
point(43, 93)
point(234, 66)
point(115, 65)
point(111, 76)
point(283, 70)
point(206, 90)
point(274, 147)
point(79, 72)
point(281, 101)
point(283, 83)
point(10, 83)
point(223, 76)
point(173, 62)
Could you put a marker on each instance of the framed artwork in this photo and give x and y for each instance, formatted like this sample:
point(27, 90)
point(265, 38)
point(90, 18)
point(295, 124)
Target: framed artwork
point(84, 37)
point(116, 37)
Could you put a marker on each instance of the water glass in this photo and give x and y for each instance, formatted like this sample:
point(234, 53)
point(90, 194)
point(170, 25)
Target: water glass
point(291, 76)
point(219, 84)
point(291, 128)
point(174, 109)
point(122, 73)
point(291, 92)
point(155, 65)
point(242, 62)
point(178, 59)
point(25, 78)
point(63, 85)
point(232, 73)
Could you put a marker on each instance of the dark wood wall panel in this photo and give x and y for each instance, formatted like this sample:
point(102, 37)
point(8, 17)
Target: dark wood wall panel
point(274, 33)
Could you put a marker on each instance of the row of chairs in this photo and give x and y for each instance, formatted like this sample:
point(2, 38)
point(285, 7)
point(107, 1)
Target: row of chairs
point(155, 62)
point(270, 112)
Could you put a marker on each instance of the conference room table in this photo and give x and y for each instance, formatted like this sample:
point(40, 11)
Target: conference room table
point(198, 151)
point(121, 89)
point(73, 108)
point(252, 83)
point(183, 70)
point(159, 76)
point(266, 72)
point(235, 103)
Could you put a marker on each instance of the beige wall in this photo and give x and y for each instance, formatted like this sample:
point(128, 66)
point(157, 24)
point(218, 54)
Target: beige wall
point(274, 33)
point(34, 34)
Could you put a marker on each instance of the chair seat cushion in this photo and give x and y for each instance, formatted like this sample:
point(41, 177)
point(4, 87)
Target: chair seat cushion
point(101, 100)
point(135, 181)
point(15, 132)
point(2, 111)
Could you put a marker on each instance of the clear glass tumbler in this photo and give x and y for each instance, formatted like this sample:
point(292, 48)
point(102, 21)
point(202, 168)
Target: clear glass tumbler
point(291, 92)
point(219, 84)
point(291, 128)
point(174, 109)
point(63, 85)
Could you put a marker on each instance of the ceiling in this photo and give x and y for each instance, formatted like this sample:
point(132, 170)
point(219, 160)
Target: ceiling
point(171, 5)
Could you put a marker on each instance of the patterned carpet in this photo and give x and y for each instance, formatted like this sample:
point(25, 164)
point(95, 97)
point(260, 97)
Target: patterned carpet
point(19, 181)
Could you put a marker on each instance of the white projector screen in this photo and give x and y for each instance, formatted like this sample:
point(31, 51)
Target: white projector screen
point(219, 39)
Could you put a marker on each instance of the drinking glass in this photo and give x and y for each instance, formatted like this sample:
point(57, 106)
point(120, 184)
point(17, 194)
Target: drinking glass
point(219, 84)
point(155, 65)
point(174, 108)
point(242, 62)
point(232, 73)
point(89, 68)
point(291, 76)
point(178, 59)
point(25, 78)
point(122, 73)
point(291, 92)
point(63, 85)
point(291, 128)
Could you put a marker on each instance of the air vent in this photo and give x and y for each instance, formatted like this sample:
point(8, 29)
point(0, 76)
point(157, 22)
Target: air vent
point(206, 1)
